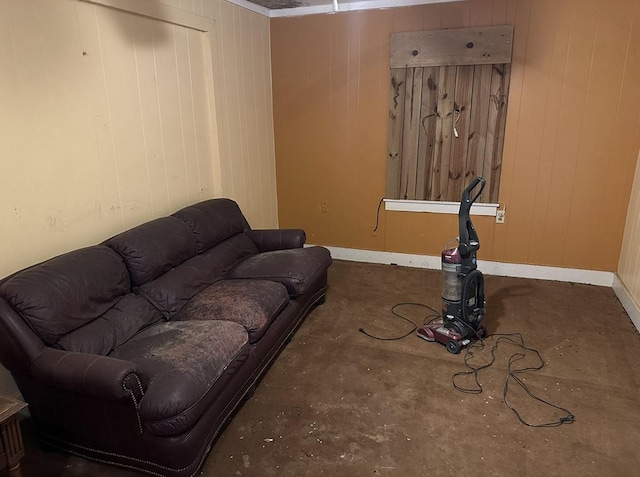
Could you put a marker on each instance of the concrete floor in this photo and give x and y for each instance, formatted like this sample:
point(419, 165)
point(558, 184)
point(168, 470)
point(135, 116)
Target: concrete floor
point(338, 403)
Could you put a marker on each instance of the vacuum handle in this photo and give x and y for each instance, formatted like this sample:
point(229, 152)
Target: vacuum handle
point(466, 194)
point(468, 239)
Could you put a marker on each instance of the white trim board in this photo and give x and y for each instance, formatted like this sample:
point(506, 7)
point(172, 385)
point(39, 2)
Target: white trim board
point(627, 301)
point(591, 277)
point(438, 207)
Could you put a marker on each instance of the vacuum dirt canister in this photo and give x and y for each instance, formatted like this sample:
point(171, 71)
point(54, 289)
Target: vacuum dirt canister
point(451, 284)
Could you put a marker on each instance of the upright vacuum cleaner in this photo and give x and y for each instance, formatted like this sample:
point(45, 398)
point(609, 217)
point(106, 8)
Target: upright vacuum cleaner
point(462, 284)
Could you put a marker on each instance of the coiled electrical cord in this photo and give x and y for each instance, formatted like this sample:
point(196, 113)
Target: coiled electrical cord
point(513, 375)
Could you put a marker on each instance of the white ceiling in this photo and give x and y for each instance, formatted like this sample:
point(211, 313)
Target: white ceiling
point(290, 8)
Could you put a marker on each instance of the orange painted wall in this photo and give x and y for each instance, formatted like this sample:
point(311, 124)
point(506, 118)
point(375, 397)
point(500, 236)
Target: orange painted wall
point(572, 134)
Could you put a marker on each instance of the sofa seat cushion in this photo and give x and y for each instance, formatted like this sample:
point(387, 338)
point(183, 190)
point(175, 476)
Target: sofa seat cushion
point(69, 291)
point(178, 363)
point(296, 268)
point(252, 303)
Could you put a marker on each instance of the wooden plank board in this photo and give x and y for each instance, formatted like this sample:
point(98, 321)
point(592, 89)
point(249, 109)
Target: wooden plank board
point(444, 131)
point(427, 138)
point(495, 129)
point(411, 133)
point(458, 46)
point(462, 105)
point(148, 32)
point(396, 121)
point(478, 120)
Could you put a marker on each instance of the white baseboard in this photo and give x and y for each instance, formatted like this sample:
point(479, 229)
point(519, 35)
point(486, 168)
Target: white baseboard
point(591, 277)
point(628, 303)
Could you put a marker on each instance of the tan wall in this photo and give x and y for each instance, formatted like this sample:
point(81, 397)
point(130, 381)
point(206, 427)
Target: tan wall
point(629, 267)
point(572, 133)
point(242, 76)
point(108, 120)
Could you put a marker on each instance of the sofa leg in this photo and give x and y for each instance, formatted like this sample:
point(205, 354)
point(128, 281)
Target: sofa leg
point(321, 300)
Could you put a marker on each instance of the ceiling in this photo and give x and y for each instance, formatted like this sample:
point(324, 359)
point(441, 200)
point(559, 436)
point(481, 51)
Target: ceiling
point(290, 8)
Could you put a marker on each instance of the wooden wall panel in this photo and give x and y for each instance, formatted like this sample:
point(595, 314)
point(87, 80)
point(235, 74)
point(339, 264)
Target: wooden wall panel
point(567, 162)
point(240, 46)
point(82, 121)
point(629, 266)
point(107, 120)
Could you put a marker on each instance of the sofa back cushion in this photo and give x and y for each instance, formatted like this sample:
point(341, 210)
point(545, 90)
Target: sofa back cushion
point(213, 221)
point(129, 315)
point(153, 248)
point(172, 290)
point(69, 291)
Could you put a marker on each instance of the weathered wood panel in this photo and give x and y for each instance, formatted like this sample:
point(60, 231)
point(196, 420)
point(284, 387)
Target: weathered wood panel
point(462, 105)
point(444, 132)
point(411, 133)
point(479, 116)
point(495, 130)
point(427, 138)
point(396, 124)
point(458, 46)
point(446, 127)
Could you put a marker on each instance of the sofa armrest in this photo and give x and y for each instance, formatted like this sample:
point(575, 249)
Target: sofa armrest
point(277, 239)
point(90, 374)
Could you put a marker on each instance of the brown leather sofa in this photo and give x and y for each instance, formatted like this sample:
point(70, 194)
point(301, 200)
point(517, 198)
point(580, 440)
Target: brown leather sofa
point(136, 351)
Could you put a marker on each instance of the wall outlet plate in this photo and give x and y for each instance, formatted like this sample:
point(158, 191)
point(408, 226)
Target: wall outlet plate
point(500, 216)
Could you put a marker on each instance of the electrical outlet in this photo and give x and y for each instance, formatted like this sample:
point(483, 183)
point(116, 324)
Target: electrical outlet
point(500, 216)
point(324, 207)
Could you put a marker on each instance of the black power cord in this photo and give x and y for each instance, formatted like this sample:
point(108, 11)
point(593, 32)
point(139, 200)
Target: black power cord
point(427, 319)
point(378, 215)
point(513, 374)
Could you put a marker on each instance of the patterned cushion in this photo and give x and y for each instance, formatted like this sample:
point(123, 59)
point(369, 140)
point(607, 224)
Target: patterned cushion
point(252, 303)
point(179, 362)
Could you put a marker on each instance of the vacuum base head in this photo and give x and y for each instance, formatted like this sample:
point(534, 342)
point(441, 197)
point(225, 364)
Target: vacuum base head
point(438, 332)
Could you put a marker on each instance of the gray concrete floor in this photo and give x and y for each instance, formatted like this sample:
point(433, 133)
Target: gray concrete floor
point(338, 403)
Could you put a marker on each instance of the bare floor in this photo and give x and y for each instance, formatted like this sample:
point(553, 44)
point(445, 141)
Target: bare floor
point(338, 403)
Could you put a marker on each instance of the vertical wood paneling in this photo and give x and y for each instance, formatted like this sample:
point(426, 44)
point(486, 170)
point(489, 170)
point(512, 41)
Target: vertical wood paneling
point(151, 117)
point(554, 124)
point(242, 74)
point(396, 127)
point(496, 126)
point(411, 133)
point(629, 265)
point(571, 132)
point(605, 74)
point(459, 147)
point(106, 121)
point(479, 161)
point(427, 137)
point(444, 131)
